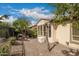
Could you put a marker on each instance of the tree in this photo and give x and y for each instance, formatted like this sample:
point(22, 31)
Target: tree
point(66, 12)
point(32, 33)
point(21, 25)
point(4, 29)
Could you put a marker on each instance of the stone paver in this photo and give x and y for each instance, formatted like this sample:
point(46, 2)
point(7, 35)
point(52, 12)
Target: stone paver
point(34, 48)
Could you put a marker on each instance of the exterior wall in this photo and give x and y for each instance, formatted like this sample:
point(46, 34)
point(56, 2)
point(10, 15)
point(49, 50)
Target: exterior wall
point(73, 45)
point(63, 34)
point(41, 39)
point(51, 39)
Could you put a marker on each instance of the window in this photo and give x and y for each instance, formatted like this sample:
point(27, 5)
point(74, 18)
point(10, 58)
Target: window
point(49, 30)
point(41, 29)
point(75, 32)
point(44, 30)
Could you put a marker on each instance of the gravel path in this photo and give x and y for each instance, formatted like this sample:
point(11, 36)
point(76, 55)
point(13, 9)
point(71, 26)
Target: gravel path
point(16, 50)
point(34, 48)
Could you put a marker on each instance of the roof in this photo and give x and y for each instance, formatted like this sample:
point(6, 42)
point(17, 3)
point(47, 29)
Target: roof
point(32, 25)
point(44, 19)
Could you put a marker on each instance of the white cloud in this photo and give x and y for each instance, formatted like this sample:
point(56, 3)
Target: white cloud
point(39, 10)
point(10, 20)
point(37, 13)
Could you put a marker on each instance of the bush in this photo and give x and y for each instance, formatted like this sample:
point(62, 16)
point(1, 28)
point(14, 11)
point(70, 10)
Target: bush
point(5, 48)
point(3, 33)
point(32, 33)
point(12, 40)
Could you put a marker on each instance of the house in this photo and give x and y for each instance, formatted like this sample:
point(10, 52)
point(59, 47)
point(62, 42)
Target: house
point(66, 35)
point(33, 26)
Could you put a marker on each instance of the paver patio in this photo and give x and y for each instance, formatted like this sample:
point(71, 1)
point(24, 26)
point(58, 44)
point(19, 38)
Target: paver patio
point(34, 48)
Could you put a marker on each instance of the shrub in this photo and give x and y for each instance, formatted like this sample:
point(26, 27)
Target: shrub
point(12, 40)
point(5, 48)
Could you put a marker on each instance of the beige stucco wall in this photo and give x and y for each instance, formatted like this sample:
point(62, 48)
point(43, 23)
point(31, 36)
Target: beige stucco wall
point(63, 34)
point(73, 45)
point(41, 39)
point(52, 38)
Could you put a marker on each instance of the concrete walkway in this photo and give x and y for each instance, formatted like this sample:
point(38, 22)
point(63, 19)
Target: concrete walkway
point(34, 48)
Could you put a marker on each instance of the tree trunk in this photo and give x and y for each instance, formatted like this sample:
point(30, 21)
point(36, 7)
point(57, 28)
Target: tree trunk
point(47, 38)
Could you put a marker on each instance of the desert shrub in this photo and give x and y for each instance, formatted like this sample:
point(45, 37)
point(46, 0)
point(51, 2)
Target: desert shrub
point(12, 40)
point(5, 48)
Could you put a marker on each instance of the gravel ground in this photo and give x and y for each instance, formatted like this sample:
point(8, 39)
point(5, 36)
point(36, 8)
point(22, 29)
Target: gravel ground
point(34, 48)
point(16, 50)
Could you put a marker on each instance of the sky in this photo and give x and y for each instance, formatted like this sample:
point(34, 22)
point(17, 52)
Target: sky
point(31, 11)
